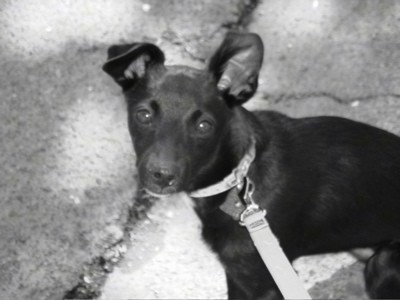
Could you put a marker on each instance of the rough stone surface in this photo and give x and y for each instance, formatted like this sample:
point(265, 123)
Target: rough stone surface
point(67, 169)
point(168, 259)
point(348, 49)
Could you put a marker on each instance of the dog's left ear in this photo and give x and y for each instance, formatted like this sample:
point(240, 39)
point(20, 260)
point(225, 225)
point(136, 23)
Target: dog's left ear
point(236, 65)
point(129, 63)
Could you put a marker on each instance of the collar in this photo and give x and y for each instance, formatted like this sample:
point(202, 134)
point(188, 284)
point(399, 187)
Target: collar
point(235, 178)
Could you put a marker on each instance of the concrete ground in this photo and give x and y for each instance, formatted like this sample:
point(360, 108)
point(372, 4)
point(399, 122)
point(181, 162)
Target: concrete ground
point(67, 169)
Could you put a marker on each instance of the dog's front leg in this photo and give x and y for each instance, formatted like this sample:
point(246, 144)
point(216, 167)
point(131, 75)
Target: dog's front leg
point(271, 294)
point(234, 290)
point(244, 287)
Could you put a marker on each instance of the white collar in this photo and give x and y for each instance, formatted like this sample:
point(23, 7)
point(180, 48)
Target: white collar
point(235, 178)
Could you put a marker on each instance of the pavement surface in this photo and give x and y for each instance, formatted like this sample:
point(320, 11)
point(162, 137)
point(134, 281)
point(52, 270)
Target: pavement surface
point(67, 176)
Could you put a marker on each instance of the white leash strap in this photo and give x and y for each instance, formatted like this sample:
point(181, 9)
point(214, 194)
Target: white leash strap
point(272, 254)
point(270, 250)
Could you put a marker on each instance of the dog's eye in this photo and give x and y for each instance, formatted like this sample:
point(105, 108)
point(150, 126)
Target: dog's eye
point(144, 116)
point(204, 127)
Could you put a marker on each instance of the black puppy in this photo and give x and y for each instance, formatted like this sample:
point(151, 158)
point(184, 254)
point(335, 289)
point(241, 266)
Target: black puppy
point(328, 184)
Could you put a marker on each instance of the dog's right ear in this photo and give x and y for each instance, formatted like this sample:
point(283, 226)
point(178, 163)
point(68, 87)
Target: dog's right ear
point(129, 63)
point(236, 65)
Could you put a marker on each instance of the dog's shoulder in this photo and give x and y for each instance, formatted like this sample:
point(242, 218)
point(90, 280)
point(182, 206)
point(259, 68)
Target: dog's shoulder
point(325, 127)
point(273, 120)
point(324, 140)
point(272, 116)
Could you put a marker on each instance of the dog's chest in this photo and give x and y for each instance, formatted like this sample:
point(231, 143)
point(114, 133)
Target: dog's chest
point(227, 239)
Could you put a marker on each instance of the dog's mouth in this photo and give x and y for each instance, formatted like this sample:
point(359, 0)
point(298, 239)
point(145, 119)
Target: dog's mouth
point(159, 195)
point(160, 192)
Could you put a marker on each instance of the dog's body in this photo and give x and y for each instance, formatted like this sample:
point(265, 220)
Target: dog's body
point(328, 184)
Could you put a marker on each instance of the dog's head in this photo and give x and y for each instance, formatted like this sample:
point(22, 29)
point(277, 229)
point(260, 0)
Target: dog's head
point(180, 118)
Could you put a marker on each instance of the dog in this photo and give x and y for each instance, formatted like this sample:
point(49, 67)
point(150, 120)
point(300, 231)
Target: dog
point(328, 184)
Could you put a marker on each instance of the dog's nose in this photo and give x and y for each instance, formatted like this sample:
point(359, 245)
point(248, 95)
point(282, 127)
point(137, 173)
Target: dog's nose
point(164, 177)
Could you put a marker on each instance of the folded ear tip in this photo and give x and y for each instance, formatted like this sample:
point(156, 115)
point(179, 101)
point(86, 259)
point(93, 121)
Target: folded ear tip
point(112, 50)
point(236, 65)
point(224, 83)
point(128, 62)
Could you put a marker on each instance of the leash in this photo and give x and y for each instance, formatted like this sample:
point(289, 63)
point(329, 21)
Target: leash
point(253, 218)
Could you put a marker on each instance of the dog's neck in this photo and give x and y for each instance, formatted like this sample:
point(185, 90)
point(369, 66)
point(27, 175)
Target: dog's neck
point(234, 179)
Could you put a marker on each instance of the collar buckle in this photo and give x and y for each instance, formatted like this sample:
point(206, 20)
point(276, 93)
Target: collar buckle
point(251, 206)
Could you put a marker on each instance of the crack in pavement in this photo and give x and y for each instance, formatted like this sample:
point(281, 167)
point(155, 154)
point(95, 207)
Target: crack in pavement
point(245, 11)
point(95, 273)
point(340, 100)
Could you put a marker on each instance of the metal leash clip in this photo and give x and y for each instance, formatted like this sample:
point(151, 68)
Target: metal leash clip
point(251, 206)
